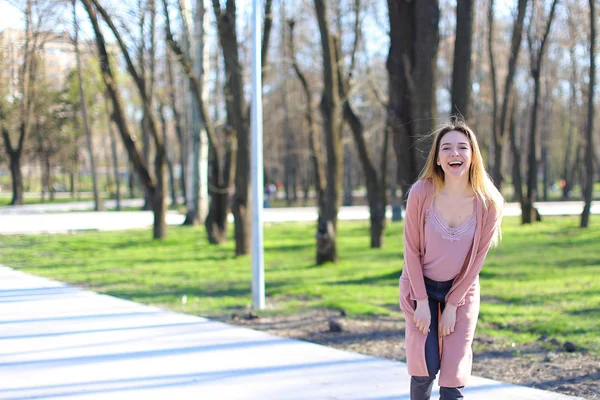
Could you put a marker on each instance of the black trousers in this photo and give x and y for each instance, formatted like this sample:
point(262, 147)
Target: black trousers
point(421, 386)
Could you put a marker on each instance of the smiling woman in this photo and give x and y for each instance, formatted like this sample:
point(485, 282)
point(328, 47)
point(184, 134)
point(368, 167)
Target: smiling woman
point(453, 217)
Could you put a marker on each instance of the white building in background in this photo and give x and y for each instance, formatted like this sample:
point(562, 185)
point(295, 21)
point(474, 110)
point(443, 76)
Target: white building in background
point(55, 49)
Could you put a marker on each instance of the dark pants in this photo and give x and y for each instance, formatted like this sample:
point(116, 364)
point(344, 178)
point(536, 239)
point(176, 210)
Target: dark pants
point(421, 386)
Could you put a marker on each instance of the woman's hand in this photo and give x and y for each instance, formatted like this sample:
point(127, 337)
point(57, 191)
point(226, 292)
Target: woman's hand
point(422, 316)
point(448, 320)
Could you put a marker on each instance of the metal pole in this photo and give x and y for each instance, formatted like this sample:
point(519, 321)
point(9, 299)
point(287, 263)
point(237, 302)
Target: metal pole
point(258, 269)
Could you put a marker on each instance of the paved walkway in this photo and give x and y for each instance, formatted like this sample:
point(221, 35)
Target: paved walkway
point(57, 342)
point(55, 218)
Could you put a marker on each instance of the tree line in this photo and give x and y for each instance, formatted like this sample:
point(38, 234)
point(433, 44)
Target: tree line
point(352, 88)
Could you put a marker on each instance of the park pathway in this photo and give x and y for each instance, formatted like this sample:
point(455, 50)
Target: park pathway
point(61, 342)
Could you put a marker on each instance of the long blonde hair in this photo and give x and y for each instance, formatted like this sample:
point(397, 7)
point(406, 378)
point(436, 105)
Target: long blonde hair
point(479, 179)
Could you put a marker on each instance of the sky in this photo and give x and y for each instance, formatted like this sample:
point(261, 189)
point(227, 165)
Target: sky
point(10, 17)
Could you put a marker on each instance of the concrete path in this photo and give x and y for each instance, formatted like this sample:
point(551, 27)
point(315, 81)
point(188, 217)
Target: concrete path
point(54, 218)
point(59, 342)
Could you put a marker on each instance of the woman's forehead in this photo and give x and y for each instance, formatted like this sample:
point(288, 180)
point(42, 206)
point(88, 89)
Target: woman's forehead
point(453, 137)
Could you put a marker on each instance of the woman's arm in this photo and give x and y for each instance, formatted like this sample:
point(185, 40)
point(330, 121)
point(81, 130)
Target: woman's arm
point(412, 251)
point(490, 225)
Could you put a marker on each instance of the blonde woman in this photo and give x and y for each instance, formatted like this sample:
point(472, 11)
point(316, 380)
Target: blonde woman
point(453, 217)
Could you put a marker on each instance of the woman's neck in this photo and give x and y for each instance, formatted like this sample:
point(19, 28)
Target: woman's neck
point(457, 187)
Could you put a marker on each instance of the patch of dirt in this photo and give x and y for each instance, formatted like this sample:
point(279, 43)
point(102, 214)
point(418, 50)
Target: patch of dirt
point(543, 365)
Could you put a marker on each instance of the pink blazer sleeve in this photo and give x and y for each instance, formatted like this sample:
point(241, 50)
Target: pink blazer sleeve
point(490, 225)
point(412, 244)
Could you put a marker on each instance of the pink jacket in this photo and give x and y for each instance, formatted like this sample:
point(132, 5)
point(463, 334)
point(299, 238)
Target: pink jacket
point(456, 347)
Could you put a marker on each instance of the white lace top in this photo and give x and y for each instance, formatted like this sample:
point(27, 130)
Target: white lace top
point(446, 247)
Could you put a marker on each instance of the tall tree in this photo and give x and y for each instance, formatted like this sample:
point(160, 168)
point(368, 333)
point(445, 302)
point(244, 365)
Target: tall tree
point(411, 64)
point(113, 147)
point(238, 112)
point(569, 167)
point(537, 48)
point(461, 73)
point(589, 150)
point(313, 139)
point(25, 101)
point(332, 128)
point(515, 46)
point(197, 202)
point(375, 180)
point(221, 162)
point(177, 119)
point(157, 187)
point(98, 206)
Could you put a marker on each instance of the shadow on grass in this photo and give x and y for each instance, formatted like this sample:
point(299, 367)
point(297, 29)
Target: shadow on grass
point(588, 312)
point(289, 248)
point(240, 290)
point(389, 278)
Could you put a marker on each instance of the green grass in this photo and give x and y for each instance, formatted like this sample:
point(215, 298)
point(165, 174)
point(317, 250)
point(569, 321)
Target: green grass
point(543, 279)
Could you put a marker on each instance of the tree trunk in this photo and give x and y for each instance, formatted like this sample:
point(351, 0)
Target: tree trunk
point(173, 189)
point(516, 164)
point(330, 111)
point(589, 150)
point(569, 169)
point(411, 64)
point(291, 157)
point(348, 199)
point(216, 220)
point(115, 158)
point(220, 180)
point(159, 198)
point(494, 130)
point(375, 182)
point(226, 21)
point(529, 213)
point(461, 73)
point(197, 204)
point(315, 149)
point(27, 75)
point(98, 206)
point(17, 180)
point(512, 66)
point(178, 126)
point(238, 113)
point(141, 169)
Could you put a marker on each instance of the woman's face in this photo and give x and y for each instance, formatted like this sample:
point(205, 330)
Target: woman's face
point(455, 154)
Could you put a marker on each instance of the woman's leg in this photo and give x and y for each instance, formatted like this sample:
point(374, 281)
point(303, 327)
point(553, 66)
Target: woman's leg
point(451, 393)
point(421, 386)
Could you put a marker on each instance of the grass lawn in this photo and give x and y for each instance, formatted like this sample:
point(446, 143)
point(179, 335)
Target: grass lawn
point(543, 279)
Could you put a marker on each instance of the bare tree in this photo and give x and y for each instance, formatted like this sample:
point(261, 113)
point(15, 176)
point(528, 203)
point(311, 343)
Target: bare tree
point(499, 136)
point(589, 150)
point(113, 146)
point(156, 187)
point(536, 51)
point(315, 150)
point(375, 180)
point(332, 127)
point(197, 202)
point(461, 73)
point(221, 165)
point(570, 168)
point(98, 206)
point(238, 113)
point(411, 64)
point(177, 119)
point(27, 75)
